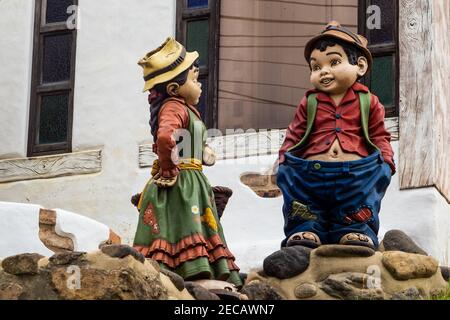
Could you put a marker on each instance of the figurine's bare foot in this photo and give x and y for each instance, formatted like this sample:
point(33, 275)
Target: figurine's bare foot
point(357, 239)
point(305, 238)
point(162, 182)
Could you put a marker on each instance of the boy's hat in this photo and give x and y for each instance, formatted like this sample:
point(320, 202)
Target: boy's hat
point(335, 30)
point(165, 63)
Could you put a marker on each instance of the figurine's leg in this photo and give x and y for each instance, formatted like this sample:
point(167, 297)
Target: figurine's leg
point(304, 207)
point(359, 192)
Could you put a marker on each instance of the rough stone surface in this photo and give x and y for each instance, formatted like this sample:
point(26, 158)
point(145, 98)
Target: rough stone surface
point(10, 291)
point(122, 251)
point(409, 294)
point(351, 286)
point(199, 292)
point(305, 290)
point(396, 240)
point(344, 251)
point(287, 262)
point(89, 276)
point(259, 290)
point(65, 258)
point(26, 263)
point(176, 279)
point(350, 273)
point(404, 266)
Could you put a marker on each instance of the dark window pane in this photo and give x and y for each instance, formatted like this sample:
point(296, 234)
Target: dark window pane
point(57, 10)
point(388, 21)
point(197, 39)
point(202, 104)
point(56, 58)
point(197, 4)
point(382, 80)
point(53, 119)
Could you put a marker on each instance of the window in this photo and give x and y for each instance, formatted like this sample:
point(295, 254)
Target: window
point(383, 43)
point(51, 107)
point(198, 30)
point(263, 74)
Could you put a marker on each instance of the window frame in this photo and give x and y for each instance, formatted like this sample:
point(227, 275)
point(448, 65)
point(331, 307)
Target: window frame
point(38, 90)
point(212, 14)
point(381, 50)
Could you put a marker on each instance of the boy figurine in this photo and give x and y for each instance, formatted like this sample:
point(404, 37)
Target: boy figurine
point(336, 161)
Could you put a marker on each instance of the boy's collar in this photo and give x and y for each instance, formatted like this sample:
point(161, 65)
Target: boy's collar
point(349, 96)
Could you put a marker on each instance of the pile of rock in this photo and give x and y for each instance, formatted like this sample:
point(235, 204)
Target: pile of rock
point(401, 271)
point(115, 272)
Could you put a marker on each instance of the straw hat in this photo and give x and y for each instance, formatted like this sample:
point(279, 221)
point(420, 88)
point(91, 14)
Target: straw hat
point(165, 63)
point(335, 30)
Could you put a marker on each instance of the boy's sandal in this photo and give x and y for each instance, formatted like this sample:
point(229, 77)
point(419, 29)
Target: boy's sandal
point(357, 239)
point(305, 238)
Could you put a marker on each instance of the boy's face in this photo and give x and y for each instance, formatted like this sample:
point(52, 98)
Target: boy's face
point(331, 72)
point(191, 90)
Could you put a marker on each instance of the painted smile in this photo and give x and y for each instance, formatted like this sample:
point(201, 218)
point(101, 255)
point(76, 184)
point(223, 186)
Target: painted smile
point(326, 81)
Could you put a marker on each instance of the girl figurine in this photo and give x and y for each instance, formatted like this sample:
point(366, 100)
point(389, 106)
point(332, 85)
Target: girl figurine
point(178, 222)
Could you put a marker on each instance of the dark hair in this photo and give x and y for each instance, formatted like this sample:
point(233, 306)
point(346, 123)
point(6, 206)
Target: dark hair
point(352, 51)
point(161, 89)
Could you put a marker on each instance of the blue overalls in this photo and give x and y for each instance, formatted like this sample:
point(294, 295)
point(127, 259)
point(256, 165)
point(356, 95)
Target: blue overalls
point(318, 195)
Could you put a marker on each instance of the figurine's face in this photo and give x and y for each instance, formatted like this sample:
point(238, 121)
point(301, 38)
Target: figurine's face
point(331, 71)
point(192, 89)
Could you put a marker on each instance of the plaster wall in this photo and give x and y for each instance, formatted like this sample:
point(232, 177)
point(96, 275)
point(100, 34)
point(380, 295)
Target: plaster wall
point(253, 225)
point(110, 110)
point(16, 51)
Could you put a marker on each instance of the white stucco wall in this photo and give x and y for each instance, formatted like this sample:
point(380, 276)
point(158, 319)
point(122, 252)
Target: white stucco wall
point(111, 113)
point(110, 110)
point(16, 51)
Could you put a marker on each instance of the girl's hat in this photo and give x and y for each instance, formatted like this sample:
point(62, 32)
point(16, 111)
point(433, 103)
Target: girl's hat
point(335, 30)
point(165, 63)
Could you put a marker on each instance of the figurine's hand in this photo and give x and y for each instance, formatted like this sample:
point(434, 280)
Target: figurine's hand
point(209, 157)
point(164, 183)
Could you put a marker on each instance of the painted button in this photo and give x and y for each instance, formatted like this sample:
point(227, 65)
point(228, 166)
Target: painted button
point(317, 166)
point(338, 129)
point(338, 116)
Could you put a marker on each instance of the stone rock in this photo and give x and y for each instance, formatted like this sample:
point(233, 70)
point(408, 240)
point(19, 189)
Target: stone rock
point(48, 235)
point(227, 295)
point(258, 290)
point(287, 262)
point(351, 286)
point(336, 250)
point(305, 290)
point(122, 251)
point(404, 266)
point(10, 291)
point(26, 263)
point(445, 271)
point(344, 273)
point(199, 292)
point(176, 279)
point(396, 240)
point(65, 258)
point(90, 276)
point(408, 294)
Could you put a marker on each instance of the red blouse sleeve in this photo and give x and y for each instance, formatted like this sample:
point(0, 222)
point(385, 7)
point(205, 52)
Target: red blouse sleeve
point(172, 116)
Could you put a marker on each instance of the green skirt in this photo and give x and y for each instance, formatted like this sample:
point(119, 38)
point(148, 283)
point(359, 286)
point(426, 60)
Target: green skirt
point(179, 227)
